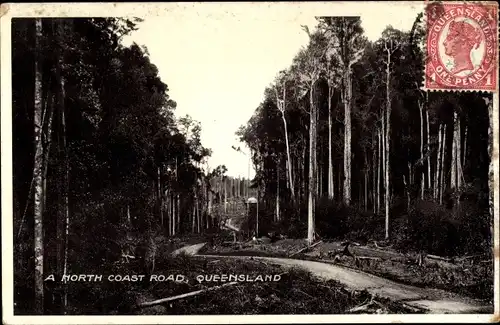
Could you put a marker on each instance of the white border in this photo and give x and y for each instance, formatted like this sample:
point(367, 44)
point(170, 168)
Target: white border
point(270, 9)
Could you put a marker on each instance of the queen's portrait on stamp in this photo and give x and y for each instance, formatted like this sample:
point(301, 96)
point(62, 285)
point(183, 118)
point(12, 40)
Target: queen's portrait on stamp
point(462, 38)
point(461, 46)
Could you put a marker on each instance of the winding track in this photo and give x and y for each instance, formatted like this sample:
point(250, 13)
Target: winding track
point(433, 300)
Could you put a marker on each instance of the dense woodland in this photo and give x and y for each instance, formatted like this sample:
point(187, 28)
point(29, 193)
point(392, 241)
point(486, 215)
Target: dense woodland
point(345, 143)
point(100, 162)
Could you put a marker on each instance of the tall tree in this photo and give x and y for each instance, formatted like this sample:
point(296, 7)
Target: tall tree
point(309, 68)
point(37, 173)
point(391, 45)
point(281, 103)
point(346, 41)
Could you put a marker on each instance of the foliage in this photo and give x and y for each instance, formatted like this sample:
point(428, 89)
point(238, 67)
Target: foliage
point(437, 226)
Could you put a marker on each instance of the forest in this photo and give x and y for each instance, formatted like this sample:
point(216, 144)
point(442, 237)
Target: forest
point(100, 161)
point(345, 145)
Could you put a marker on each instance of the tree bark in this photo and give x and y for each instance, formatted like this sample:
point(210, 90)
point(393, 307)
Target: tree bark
point(277, 191)
point(160, 201)
point(453, 176)
point(193, 222)
point(437, 179)
point(174, 213)
point(330, 162)
point(459, 154)
point(312, 168)
point(374, 174)
point(38, 184)
point(347, 136)
point(492, 148)
point(429, 179)
point(422, 186)
point(379, 167)
point(47, 145)
point(178, 223)
point(384, 152)
point(387, 140)
point(443, 153)
point(224, 182)
point(66, 195)
point(289, 161)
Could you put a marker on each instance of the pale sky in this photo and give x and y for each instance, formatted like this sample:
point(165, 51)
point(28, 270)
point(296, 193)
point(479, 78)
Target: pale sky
point(217, 58)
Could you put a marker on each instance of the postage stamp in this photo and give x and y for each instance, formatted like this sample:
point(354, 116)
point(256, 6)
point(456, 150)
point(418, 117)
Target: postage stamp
point(462, 46)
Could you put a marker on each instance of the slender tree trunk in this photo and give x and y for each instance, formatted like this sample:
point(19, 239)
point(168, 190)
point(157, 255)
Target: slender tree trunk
point(38, 184)
point(330, 162)
point(198, 216)
point(453, 176)
point(65, 196)
point(374, 175)
point(193, 224)
point(366, 189)
point(387, 162)
point(319, 175)
point(379, 168)
point(178, 214)
point(312, 168)
point(303, 177)
point(129, 224)
point(384, 154)
point(174, 213)
point(67, 167)
point(277, 191)
point(407, 196)
point(429, 180)
point(225, 195)
point(443, 153)
point(437, 179)
point(465, 148)
point(492, 148)
point(459, 155)
point(289, 161)
point(422, 186)
point(160, 201)
point(47, 145)
point(347, 141)
point(409, 185)
point(169, 212)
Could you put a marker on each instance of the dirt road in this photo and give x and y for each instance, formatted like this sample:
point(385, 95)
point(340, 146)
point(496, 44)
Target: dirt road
point(434, 300)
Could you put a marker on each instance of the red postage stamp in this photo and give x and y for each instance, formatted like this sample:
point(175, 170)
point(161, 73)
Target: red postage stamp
point(462, 45)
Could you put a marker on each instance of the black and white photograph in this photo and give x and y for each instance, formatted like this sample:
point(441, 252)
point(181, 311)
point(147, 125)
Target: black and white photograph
point(313, 161)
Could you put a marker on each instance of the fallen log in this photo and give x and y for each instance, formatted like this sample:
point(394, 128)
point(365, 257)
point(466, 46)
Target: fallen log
point(435, 257)
point(185, 295)
point(368, 258)
point(464, 258)
point(306, 248)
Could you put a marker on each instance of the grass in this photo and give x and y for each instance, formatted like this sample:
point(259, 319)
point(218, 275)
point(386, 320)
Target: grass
point(298, 292)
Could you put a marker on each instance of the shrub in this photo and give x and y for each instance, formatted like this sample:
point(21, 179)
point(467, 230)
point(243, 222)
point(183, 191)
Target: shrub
point(433, 228)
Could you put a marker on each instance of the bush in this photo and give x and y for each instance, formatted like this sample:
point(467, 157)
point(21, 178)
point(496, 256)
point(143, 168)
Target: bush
point(335, 220)
point(448, 232)
point(293, 222)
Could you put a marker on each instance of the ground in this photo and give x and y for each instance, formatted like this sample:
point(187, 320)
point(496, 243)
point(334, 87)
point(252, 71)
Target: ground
point(468, 277)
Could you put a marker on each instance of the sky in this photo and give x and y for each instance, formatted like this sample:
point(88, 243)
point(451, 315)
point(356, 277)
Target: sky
point(218, 58)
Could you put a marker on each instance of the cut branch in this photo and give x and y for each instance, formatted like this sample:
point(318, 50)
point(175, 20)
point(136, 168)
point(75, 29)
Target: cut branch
point(185, 295)
point(306, 248)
